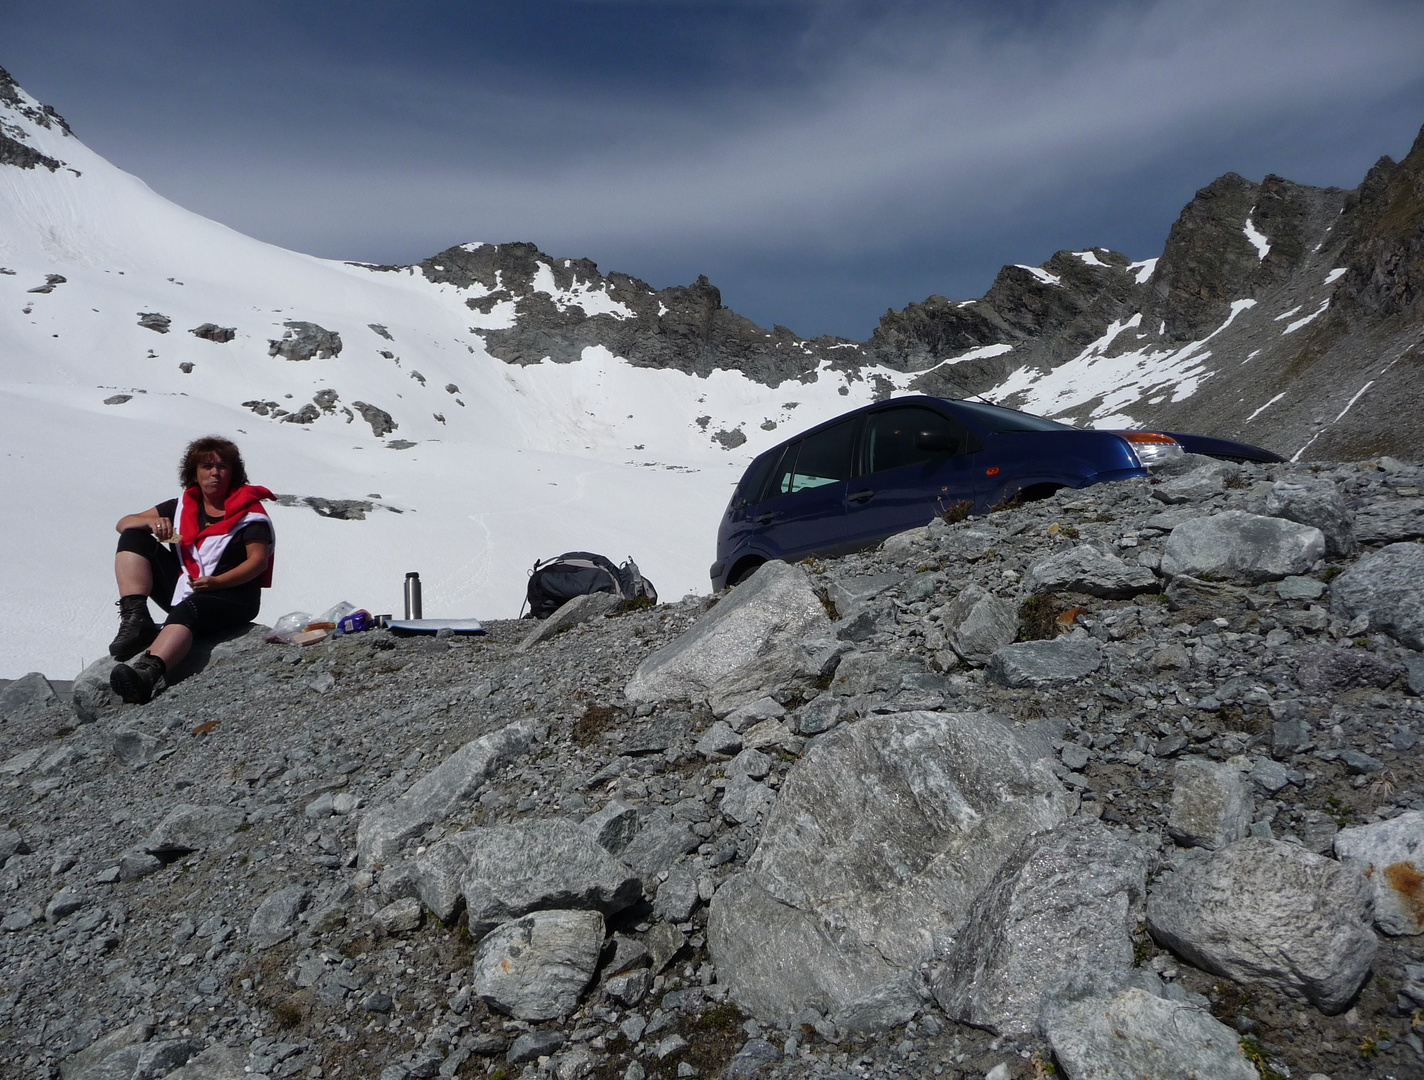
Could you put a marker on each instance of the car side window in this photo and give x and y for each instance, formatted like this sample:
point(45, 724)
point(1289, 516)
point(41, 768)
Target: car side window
point(895, 438)
point(822, 459)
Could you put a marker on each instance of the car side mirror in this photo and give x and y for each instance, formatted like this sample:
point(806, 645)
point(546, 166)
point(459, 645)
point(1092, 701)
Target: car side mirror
point(937, 442)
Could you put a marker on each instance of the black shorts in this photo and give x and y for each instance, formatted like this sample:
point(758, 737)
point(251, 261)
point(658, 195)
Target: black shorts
point(202, 613)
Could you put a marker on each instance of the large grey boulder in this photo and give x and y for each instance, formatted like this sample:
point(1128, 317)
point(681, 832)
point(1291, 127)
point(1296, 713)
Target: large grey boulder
point(505, 871)
point(1131, 1034)
point(1044, 663)
point(787, 665)
point(305, 341)
point(776, 604)
point(976, 622)
point(1244, 548)
point(188, 828)
point(1326, 669)
point(27, 697)
point(135, 1034)
point(880, 841)
point(1212, 804)
point(535, 968)
point(385, 829)
point(1391, 855)
point(1075, 894)
point(1318, 503)
point(1386, 587)
point(1090, 568)
point(1265, 911)
point(91, 695)
point(1387, 521)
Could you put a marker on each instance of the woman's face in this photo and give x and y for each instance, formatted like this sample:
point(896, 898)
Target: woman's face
point(214, 477)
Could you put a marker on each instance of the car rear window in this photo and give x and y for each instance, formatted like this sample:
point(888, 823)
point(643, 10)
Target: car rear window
point(754, 480)
point(997, 419)
point(821, 459)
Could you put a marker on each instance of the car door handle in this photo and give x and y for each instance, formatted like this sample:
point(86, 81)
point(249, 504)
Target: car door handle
point(862, 496)
point(765, 519)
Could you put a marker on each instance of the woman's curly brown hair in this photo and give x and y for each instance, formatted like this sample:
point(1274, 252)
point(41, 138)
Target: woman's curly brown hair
point(198, 449)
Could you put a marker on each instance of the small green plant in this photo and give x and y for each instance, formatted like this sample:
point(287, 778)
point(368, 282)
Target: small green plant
point(1331, 573)
point(1070, 532)
point(1043, 1067)
point(723, 1017)
point(1038, 618)
point(1369, 1045)
point(1008, 502)
point(1251, 1050)
point(824, 596)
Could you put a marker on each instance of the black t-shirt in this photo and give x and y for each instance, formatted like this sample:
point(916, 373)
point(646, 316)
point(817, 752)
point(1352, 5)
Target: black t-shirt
point(259, 532)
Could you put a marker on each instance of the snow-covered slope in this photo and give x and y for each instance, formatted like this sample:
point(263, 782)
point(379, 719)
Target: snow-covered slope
point(490, 465)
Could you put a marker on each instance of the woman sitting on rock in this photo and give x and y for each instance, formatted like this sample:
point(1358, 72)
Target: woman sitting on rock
point(212, 577)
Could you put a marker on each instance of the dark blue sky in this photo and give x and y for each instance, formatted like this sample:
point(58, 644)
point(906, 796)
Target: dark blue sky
point(819, 161)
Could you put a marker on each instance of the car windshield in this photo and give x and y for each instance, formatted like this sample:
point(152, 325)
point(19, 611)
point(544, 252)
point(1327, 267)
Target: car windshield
point(997, 419)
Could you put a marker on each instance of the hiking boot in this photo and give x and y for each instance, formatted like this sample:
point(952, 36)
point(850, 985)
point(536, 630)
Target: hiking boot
point(136, 628)
point(136, 682)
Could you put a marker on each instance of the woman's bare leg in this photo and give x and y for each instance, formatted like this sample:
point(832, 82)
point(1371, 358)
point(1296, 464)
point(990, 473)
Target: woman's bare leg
point(172, 644)
point(133, 573)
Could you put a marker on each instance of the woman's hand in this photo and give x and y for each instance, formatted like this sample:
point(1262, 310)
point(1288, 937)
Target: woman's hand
point(162, 529)
point(205, 584)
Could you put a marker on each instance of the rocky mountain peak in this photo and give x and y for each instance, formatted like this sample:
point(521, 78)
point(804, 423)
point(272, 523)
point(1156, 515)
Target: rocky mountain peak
point(15, 140)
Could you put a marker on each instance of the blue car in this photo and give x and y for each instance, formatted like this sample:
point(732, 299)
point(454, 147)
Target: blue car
point(852, 481)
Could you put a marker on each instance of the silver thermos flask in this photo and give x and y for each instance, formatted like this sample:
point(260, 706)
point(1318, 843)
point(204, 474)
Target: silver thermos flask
point(412, 596)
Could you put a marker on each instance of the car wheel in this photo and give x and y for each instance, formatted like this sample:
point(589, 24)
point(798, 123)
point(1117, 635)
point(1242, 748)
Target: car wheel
point(743, 570)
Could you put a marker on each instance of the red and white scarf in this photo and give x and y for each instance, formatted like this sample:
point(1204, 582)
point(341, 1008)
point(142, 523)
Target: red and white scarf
point(199, 551)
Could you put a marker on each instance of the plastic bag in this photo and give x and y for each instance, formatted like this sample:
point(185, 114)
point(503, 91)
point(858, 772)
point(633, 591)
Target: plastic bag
point(334, 613)
point(288, 627)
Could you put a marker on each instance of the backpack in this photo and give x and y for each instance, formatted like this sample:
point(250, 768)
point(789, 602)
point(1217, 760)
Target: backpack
point(554, 582)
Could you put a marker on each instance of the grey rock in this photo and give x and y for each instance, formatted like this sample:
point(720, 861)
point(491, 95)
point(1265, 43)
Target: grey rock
point(784, 666)
point(130, 1035)
point(821, 714)
point(1414, 666)
point(755, 1055)
point(27, 696)
point(385, 829)
point(629, 988)
point(1387, 521)
point(1270, 776)
point(1387, 588)
point(217, 1062)
point(749, 762)
point(305, 341)
point(775, 604)
point(719, 740)
point(1076, 894)
point(188, 828)
point(744, 800)
point(91, 695)
point(1359, 763)
point(11, 843)
point(1074, 756)
point(613, 826)
point(155, 321)
point(1326, 669)
point(1265, 911)
point(1318, 503)
point(976, 623)
point(578, 610)
point(1091, 568)
point(133, 747)
point(1390, 854)
point(771, 735)
point(663, 942)
point(1044, 663)
point(65, 902)
point(1290, 737)
point(1197, 485)
point(656, 735)
point(1300, 588)
point(533, 1045)
point(19, 919)
point(273, 920)
point(658, 843)
point(847, 592)
point(1186, 592)
point(136, 864)
point(1212, 805)
point(1132, 1034)
point(881, 838)
point(677, 897)
point(400, 916)
point(1241, 547)
point(215, 333)
point(527, 866)
point(537, 967)
point(743, 717)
